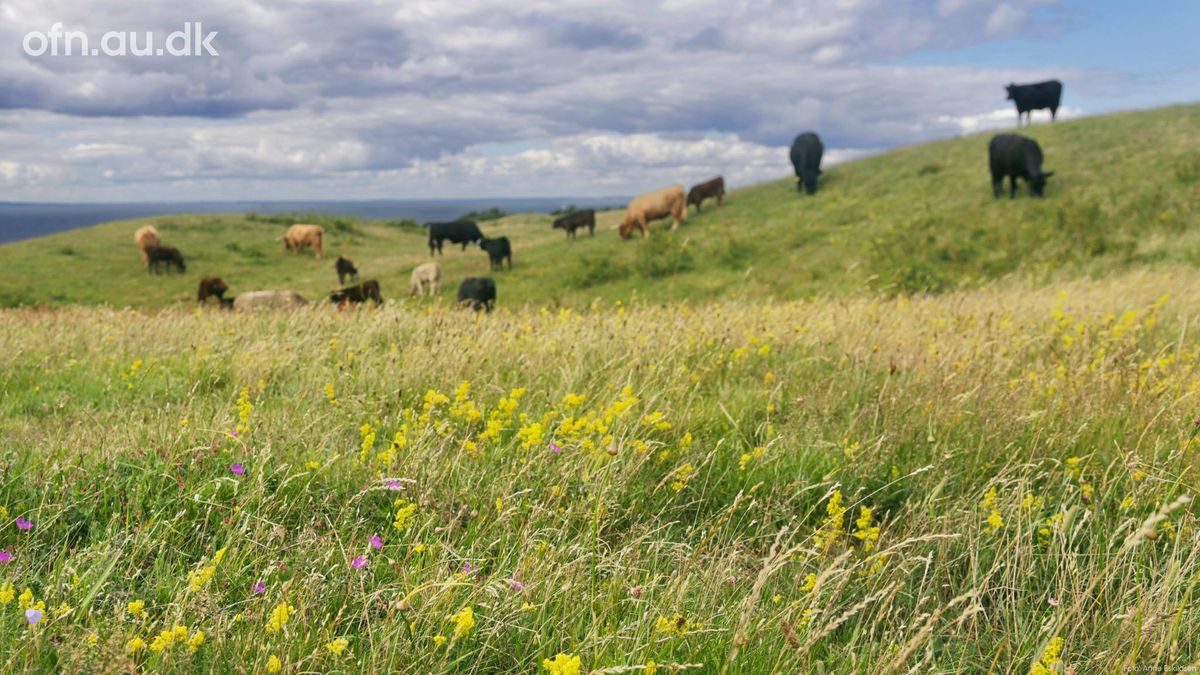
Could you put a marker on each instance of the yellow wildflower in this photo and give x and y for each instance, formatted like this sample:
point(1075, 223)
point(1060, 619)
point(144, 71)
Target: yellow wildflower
point(135, 645)
point(195, 641)
point(337, 646)
point(274, 665)
point(7, 593)
point(833, 526)
point(279, 617)
point(136, 608)
point(26, 599)
point(865, 532)
point(563, 664)
point(464, 621)
point(439, 640)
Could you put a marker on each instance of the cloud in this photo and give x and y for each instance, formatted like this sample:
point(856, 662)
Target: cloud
point(335, 99)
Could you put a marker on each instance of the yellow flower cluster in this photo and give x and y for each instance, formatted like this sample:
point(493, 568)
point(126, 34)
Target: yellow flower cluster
point(1049, 661)
point(198, 578)
point(864, 531)
point(834, 525)
point(404, 514)
point(464, 621)
point(279, 617)
point(244, 408)
point(562, 664)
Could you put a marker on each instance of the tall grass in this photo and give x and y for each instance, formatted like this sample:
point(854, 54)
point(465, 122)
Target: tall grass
point(639, 487)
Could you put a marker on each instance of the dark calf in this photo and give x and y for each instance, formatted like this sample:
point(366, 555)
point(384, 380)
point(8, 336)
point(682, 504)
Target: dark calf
point(160, 255)
point(345, 268)
point(574, 221)
point(709, 189)
point(477, 293)
point(212, 287)
point(497, 249)
point(354, 295)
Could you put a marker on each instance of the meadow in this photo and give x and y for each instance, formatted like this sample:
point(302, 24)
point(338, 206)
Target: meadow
point(915, 220)
point(849, 453)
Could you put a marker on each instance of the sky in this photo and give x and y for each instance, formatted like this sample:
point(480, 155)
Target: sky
point(334, 99)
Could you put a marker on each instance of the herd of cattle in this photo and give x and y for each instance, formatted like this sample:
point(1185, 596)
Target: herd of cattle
point(1010, 156)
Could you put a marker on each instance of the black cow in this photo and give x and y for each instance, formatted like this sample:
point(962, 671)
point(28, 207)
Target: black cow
point(1037, 96)
point(806, 160)
point(367, 290)
point(574, 221)
point(1016, 156)
point(157, 255)
point(477, 293)
point(211, 287)
point(497, 249)
point(713, 187)
point(460, 232)
point(345, 268)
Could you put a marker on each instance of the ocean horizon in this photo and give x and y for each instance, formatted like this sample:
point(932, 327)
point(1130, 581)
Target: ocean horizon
point(27, 220)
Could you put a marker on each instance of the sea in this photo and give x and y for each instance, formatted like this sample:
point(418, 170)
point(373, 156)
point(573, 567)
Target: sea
point(24, 220)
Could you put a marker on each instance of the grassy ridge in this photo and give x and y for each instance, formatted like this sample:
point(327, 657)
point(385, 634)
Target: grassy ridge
point(648, 485)
point(918, 219)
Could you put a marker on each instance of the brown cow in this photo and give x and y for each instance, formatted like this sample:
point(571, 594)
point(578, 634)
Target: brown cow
point(145, 237)
point(305, 236)
point(212, 287)
point(713, 187)
point(652, 206)
point(345, 270)
point(354, 295)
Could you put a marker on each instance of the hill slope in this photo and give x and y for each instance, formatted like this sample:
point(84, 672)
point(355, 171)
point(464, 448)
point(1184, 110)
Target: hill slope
point(1126, 194)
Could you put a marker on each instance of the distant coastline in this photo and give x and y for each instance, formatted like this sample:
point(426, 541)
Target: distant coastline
point(26, 220)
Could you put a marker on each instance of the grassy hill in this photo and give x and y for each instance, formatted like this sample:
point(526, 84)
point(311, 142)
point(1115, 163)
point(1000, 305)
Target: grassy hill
point(992, 477)
point(920, 219)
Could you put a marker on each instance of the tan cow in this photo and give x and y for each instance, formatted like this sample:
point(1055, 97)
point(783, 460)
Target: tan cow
point(428, 273)
point(145, 237)
point(252, 300)
point(652, 206)
point(305, 236)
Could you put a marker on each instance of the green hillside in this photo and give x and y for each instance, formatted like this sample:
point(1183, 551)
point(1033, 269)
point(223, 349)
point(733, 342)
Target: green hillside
point(1125, 196)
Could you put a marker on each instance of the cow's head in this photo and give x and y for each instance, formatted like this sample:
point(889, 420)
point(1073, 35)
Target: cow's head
point(626, 229)
point(1010, 89)
point(1037, 184)
point(807, 181)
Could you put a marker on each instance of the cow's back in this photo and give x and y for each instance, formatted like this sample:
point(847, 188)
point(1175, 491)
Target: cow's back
point(268, 300)
point(806, 151)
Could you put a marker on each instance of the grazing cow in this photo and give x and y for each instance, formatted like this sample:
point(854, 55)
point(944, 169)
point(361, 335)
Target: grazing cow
point(345, 268)
point(354, 295)
point(652, 206)
point(806, 160)
point(497, 249)
point(1037, 96)
point(1016, 157)
point(212, 287)
point(268, 300)
point(460, 232)
point(477, 293)
point(158, 255)
point(713, 187)
point(428, 273)
point(574, 221)
point(145, 236)
point(305, 236)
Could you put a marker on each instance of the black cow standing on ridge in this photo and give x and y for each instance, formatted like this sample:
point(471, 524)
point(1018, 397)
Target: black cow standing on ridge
point(1016, 156)
point(574, 221)
point(1037, 96)
point(806, 160)
point(460, 232)
point(497, 249)
point(477, 293)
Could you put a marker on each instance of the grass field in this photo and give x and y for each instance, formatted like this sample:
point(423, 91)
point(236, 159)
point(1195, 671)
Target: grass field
point(898, 427)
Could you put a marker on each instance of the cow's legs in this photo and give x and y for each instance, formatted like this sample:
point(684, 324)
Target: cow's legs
point(997, 185)
point(1053, 114)
point(1013, 192)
